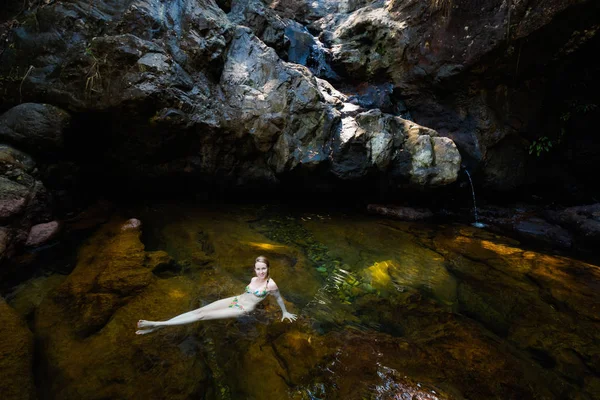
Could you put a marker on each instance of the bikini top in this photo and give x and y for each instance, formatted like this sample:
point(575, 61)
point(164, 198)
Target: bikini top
point(258, 293)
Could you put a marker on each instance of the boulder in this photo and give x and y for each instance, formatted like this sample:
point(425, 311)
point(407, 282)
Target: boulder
point(373, 141)
point(13, 198)
point(42, 233)
point(583, 221)
point(36, 128)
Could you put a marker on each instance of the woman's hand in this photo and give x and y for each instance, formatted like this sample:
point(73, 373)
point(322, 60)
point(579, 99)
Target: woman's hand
point(288, 315)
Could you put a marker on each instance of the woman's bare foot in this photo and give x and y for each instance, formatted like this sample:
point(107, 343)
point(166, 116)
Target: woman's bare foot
point(146, 331)
point(142, 323)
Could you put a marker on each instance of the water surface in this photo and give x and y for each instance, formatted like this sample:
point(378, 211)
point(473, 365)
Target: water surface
point(386, 309)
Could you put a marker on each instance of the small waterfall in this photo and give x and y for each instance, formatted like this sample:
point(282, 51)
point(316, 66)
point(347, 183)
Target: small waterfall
point(307, 50)
point(476, 224)
point(318, 61)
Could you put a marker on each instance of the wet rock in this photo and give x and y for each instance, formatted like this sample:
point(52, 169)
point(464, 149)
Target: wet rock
point(16, 356)
point(402, 213)
point(27, 296)
point(515, 292)
point(307, 50)
point(4, 241)
point(100, 49)
point(529, 224)
point(427, 51)
point(543, 231)
point(13, 162)
point(331, 95)
point(377, 96)
point(109, 272)
point(132, 223)
point(24, 201)
point(361, 48)
point(347, 365)
point(13, 198)
point(42, 233)
point(36, 128)
point(382, 38)
point(583, 221)
point(22, 194)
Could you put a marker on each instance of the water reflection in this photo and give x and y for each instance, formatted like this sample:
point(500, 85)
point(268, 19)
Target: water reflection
point(387, 309)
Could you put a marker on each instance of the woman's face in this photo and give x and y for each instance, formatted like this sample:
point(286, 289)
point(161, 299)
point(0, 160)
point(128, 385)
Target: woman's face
point(261, 270)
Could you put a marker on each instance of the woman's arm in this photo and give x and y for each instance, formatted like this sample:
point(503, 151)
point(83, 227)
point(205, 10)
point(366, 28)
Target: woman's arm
point(284, 311)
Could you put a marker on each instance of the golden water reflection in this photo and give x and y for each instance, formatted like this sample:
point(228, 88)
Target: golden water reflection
point(386, 309)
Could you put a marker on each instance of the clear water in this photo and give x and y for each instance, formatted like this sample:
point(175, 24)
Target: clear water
point(387, 310)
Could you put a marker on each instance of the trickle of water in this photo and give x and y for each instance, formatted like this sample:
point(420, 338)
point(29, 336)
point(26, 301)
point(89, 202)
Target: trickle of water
point(307, 50)
point(318, 56)
point(476, 224)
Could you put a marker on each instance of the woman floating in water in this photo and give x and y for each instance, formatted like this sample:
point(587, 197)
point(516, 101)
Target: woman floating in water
point(260, 286)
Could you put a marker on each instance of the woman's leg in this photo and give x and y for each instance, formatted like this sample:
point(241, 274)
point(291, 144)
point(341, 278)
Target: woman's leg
point(195, 315)
point(217, 305)
point(232, 312)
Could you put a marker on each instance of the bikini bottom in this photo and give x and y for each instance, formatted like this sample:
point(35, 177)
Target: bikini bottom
point(235, 303)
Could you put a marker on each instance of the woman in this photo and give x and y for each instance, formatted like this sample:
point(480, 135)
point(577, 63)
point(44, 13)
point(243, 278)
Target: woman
point(260, 286)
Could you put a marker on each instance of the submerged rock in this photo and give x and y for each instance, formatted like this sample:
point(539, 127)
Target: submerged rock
point(87, 323)
point(531, 299)
point(110, 271)
point(16, 356)
point(448, 359)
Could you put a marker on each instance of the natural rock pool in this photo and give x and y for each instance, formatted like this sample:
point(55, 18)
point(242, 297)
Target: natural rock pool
point(386, 310)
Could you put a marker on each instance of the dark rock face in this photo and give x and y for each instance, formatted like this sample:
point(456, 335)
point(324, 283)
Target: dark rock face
point(232, 94)
point(185, 94)
point(477, 72)
point(158, 72)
